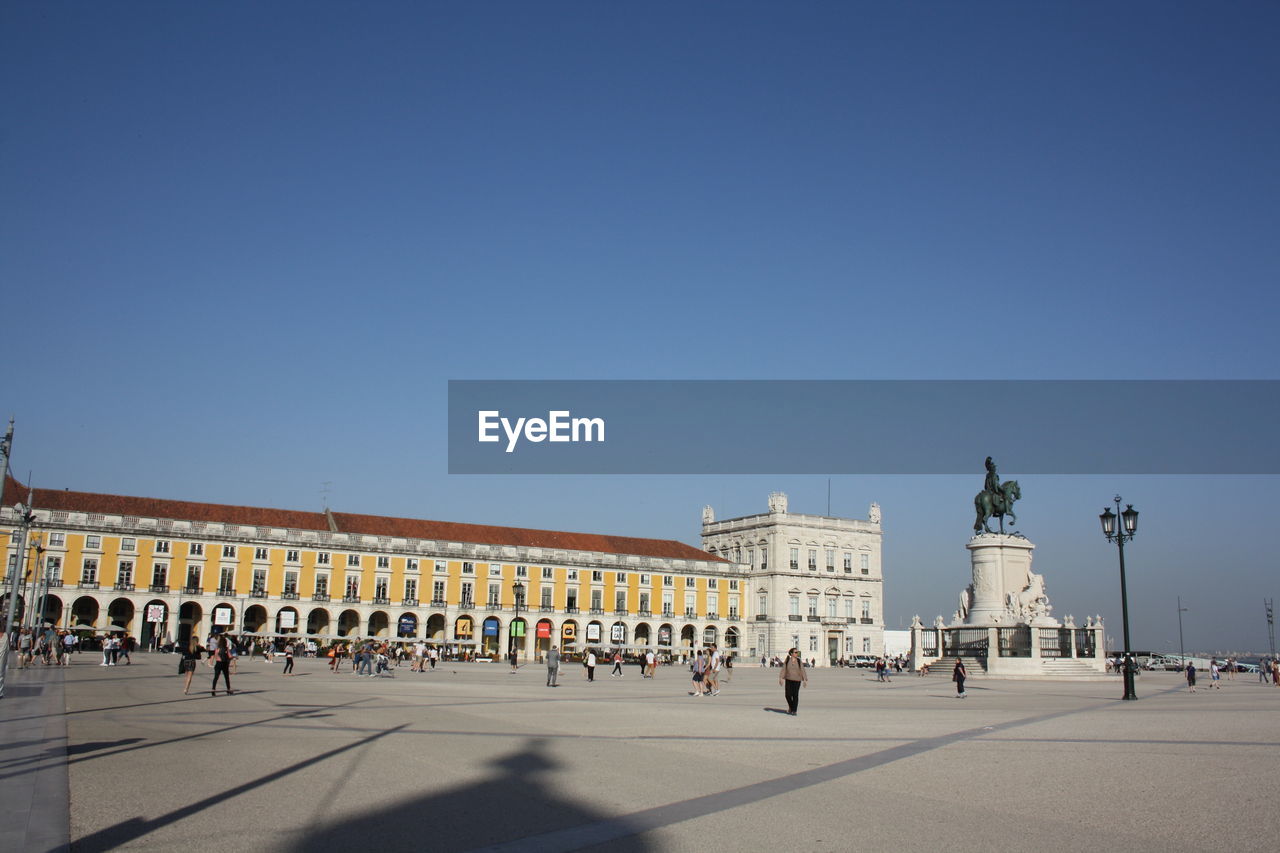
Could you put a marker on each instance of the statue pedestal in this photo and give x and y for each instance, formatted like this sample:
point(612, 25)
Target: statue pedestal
point(1001, 576)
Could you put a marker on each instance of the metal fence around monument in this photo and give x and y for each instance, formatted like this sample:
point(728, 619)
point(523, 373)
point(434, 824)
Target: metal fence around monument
point(965, 642)
point(1084, 644)
point(929, 644)
point(1055, 642)
point(1015, 642)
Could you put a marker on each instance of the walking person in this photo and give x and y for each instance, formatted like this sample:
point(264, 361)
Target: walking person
point(650, 663)
point(617, 665)
point(514, 657)
point(288, 659)
point(1191, 677)
point(222, 665)
point(190, 657)
point(958, 675)
point(792, 677)
point(699, 667)
point(591, 665)
point(553, 666)
point(1214, 674)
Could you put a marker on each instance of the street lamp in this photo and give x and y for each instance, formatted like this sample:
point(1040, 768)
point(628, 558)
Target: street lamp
point(517, 590)
point(1182, 653)
point(1129, 526)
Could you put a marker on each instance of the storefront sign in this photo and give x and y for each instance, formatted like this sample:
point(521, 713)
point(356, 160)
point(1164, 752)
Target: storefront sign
point(491, 627)
point(517, 628)
point(288, 619)
point(222, 615)
point(462, 628)
point(408, 624)
point(544, 630)
point(618, 634)
point(155, 612)
point(593, 632)
point(664, 636)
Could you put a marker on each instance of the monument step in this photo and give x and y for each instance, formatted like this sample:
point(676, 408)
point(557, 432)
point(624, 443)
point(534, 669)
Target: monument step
point(945, 666)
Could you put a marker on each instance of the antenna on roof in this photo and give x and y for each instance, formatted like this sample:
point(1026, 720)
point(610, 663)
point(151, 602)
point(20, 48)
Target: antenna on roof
point(324, 493)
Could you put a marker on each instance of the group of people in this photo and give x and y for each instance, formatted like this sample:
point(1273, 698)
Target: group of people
point(707, 667)
point(48, 646)
point(1268, 670)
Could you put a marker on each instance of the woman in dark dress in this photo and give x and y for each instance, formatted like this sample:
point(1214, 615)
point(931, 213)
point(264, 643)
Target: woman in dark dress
point(958, 675)
point(190, 657)
point(222, 665)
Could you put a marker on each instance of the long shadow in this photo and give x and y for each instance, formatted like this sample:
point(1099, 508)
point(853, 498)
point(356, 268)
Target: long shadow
point(122, 833)
point(508, 811)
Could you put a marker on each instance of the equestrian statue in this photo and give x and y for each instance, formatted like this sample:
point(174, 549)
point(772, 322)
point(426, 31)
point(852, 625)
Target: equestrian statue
point(995, 500)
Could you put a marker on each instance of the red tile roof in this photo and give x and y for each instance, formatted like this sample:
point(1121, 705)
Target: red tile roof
point(374, 525)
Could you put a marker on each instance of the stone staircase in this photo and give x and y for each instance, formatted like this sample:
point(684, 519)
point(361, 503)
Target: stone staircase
point(944, 666)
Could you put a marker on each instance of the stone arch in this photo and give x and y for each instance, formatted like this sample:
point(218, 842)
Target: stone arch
point(595, 633)
point(435, 627)
point(348, 623)
point(618, 637)
point(688, 637)
point(149, 631)
point(710, 635)
point(379, 624)
point(190, 616)
point(318, 621)
point(732, 640)
point(665, 633)
point(120, 612)
point(255, 618)
point(286, 621)
point(490, 630)
point(407, 625)
point(643, 635)
point(569, 634)
point(84, 611)
point(53, 609)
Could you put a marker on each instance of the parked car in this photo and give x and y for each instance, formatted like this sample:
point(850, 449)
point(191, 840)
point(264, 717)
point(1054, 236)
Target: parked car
point(864, 661)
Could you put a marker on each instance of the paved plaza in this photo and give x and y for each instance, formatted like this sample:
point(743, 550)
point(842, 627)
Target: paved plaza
point(472, 758)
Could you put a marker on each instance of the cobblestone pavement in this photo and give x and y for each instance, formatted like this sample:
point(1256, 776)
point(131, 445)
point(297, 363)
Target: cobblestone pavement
point(470, 757)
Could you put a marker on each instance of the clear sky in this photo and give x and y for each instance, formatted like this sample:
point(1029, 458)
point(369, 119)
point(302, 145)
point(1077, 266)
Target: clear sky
point(244, 246)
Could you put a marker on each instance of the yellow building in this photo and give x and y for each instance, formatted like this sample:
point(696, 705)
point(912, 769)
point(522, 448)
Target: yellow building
point(166, 568)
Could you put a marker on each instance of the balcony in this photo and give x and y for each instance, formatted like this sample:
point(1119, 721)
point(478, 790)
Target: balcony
point(813, 617)
point(796, 617)
point(193, 590)
point(762, 617)
point(733, 616)
point(493, 605)
point(382, 600)
point(668, 612)
point(547, 608)
point(227, 591)
point(691, 614)
point(320, 596)
point(713, 616)
point(409, 602)
point(571, 610)
point(867, 620)
point(597, 611)
point(643, 613)
point(159, 588)
point(55, 583)
point(124, 587)
point(259, 592)
point(620, 611)
point(87, 585)
point(466, 604)
point(438, 602)
point(351, 599)
point(290, 594)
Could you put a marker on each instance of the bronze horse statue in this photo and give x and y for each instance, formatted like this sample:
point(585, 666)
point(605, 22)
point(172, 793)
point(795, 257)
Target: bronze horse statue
point(990, 506)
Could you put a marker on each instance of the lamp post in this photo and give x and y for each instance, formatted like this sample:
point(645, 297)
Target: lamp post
point(1182, 652)
point(1129, 526)
point(517, 590)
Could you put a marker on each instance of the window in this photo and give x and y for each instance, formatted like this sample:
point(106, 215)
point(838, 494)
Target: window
point(229, 552)
point(668, 604)
point(57, 540)
point(353, 586)
point(93, 541)
point(813, 643)
point(162, 546)
point(795, 559)
point(597, 599)
point(442, 568)
point(668, 580)
point(848, 608)
point(353, 561)
point(468, 568)
point(831, 607)
point(160, 574)
point(763, 605)
point(571, 599)
point(411, 588)
point(813, 605)
point(260, 581)
point(522, 571)
point(737, 554)
point(690, 603)
point(713, 602)
point(128, 543)
point(764, 559)
point(621, 577)
point(384, 562)
point(259, 553)
point(711, 583)
point(89, 571)
point(495, 594)
point(866, 610)
point(291, 583)
point(813, 559)
point(196, 549)
point(644, 602)
point(437, 592)
point(193, 577)
point(597, 577)
point(322, 585)
point(645, 580)
point(381, 586)
point(689, 582)
point(227, 582)
point(323, 558)
point(495, 569)
point(53, 569)
point(573, 574)
point(546, 598)
point(848, 563)
point(620, 600)
point(292, 556)
point(467, 599)
point(831, 560)
point(548, 573)
point(411, 565)
point(866, 645)
point(751, 557)
point(125, 573)
point(795, 606)
point(733, 607)
point(866, 563)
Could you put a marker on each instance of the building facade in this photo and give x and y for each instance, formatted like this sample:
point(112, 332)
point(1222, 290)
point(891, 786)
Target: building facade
point(813, 581)
point(172, 569)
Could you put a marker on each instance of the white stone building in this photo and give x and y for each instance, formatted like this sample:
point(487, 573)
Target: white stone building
point(814, 581)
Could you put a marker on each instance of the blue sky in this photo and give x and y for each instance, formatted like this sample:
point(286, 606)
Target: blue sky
point(244, 247)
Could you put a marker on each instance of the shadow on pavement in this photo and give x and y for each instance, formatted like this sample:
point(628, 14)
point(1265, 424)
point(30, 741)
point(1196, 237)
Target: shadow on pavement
point(503, 812)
